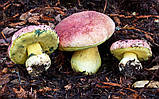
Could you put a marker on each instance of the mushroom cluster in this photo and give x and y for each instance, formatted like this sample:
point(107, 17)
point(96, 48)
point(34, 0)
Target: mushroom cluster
point(82, 32)
point(30, 46)
point(130, 53)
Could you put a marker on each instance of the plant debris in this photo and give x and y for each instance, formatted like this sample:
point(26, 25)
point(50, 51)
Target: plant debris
point(60, 81)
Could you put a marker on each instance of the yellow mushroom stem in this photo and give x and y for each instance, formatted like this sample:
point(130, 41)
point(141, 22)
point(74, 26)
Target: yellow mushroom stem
point(87, 60)
point(34, 49)
point(129, 57)
point(37, 61)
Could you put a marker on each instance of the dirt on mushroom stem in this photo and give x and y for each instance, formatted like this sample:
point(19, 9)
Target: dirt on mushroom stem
point(60, 74)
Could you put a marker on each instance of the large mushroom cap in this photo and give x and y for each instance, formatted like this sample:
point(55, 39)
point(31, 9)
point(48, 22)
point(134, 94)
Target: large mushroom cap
point(140, 47)
point(41, 34)
point(84, 30)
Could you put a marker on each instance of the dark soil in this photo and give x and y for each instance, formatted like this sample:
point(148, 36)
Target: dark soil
point(135, 19)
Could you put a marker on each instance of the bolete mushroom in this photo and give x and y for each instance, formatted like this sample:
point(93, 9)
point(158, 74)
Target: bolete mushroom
point(130, 52)
point(82, 32)
point(30, 45)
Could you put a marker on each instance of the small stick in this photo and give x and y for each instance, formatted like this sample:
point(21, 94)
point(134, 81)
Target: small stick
point(5, 39)
point(97, 85)
point(111, 84)
point(138, 17)
point(105, 6)
point(124, 94)
point(107, 79)
point(131, 90)
point(58, 3)
point(79, 3)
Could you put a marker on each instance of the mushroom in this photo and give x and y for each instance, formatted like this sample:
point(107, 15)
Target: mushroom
point(130, 53)
point(30, 46)
point(82, 32)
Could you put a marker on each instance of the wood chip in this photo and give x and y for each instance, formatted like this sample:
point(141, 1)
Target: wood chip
point(25, 16)
point(67, 87)
point(154, 67)
point(5, 70)
point(146, 83)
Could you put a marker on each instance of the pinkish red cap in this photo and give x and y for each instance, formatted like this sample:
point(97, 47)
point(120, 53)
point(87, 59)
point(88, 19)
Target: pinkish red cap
point(139, 47)
point(129, 43)
point(83, 30)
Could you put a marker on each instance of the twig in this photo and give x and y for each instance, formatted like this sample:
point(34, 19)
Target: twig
point(107, 79)
point(9, 19)
point(138, 17)
point(97, 85)
point(147, 34)
point(105, 6)
point(124, 94)
point(5, 39)
point(79, 2)
point(58, 3)
point(4, 8)
point(111, 84)
point(133, 28)
point(6, 3)
point(131, 90)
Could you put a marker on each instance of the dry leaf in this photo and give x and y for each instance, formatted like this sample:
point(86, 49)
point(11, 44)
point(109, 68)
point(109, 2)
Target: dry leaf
point(20, 93)
point(24, 94)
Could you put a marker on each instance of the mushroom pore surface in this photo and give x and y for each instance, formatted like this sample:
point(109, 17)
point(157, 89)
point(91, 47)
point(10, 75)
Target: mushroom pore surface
point(44, 35)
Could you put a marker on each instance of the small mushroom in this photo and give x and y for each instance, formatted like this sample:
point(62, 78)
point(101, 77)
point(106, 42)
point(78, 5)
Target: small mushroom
point(130, 53)
point(30, 46)
point(82, 32)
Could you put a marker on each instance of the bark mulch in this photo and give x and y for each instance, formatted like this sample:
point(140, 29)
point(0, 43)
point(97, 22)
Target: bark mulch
point(134, 19)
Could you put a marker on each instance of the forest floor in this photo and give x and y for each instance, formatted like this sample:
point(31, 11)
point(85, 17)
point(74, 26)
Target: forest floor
point(134, 19)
